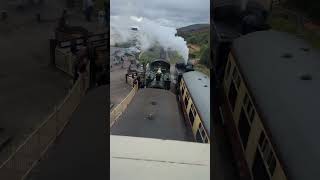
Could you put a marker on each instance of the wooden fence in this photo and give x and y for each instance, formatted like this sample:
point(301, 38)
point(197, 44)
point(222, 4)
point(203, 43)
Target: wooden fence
point(120, 108)
point(25, 157)
point(65, 61)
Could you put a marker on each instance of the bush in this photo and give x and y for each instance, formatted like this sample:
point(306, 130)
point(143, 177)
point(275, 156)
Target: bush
point(205, 56)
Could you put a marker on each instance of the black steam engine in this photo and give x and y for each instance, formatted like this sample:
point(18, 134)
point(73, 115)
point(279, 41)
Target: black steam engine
point(229, 22)
point(158, 74)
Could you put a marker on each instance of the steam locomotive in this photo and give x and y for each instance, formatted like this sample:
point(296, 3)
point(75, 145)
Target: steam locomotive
point(158, 74)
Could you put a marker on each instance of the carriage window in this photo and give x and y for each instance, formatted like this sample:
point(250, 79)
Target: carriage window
point(267, 153)
point(186, 99)
point(249, 107)
point(193, 110)
point(236, 77)
point(202, 131)
point(261, 139)
point(244, 128)
point(191, 117)
point(232, 95)
point(272, 165)
point(238, 81)
point(198, 136)
point(234, 73)
point(182, 90)
point(251, 116)
point(206, 139)
point(259, 169)
point(228, 68)
point(246, 100)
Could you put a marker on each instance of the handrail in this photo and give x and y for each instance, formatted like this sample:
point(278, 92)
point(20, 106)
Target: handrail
point(120, 108)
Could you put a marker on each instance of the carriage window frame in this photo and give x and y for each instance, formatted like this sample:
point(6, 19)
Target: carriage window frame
point(186, 99)
point(249, 107)
point(241, 129)
point(251, 116)
point(206, 140)
point(236, 78)
point(267, 153)
point(228, 68)
point(193, 109)
point(182, 85)
point(246, 100)
point(191, 119)
point(198, 136)
point(202, 132)
point(233, 100)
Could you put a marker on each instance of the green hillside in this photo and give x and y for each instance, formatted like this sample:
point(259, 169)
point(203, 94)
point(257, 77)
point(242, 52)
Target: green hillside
point(198, 43)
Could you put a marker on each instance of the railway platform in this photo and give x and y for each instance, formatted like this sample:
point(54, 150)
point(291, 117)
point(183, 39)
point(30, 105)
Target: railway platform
point(81, 150)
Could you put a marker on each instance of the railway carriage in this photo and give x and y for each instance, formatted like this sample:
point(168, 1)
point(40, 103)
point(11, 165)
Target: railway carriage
point(194, 96)
point(271, 100)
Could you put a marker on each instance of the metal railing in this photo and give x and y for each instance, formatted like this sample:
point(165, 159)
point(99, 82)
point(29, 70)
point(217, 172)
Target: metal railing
point(26, 156)
point(120, 108)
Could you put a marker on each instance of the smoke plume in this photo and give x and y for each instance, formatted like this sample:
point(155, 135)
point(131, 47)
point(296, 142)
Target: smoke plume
point(149, 33)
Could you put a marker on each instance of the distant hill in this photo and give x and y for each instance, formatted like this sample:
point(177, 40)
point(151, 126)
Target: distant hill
point(193, 28)
point(196, 34)
point(197, 37)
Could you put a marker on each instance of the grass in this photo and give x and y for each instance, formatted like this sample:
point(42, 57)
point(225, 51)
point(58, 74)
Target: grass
point(198, 38)
point(312, 38)
point(288, 25)
point(99, 4)
point(202, 68)
point(282, 24)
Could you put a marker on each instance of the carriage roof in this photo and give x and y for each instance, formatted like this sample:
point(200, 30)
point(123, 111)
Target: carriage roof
point(198, 85)
point(273, 65)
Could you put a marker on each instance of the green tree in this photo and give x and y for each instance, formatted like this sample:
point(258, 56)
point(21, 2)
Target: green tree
point(205, 56)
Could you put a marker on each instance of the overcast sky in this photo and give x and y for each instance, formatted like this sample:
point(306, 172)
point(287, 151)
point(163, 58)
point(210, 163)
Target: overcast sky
point(173, 13)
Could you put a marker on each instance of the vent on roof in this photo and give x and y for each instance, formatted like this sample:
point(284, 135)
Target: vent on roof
point(150, 116)
point(305, 49)
point(154, 103)
point(306, 77)
point(205, 86)
point(287, 55)
point(199, 79)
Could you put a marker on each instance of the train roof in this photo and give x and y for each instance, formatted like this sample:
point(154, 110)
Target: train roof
point(166, 121)
point(146, 158)
point(274, 65)
point(198, 85)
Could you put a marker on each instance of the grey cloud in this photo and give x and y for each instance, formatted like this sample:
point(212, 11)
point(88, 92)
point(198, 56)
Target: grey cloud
point(174, 13)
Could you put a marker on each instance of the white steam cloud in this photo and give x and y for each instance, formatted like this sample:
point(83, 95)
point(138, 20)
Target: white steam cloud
point(149, 33)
